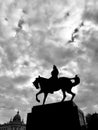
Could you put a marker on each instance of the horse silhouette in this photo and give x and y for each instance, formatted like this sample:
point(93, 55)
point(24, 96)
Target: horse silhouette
point(64, 84)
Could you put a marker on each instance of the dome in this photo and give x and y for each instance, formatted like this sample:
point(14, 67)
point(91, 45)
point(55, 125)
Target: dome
point(17, 118)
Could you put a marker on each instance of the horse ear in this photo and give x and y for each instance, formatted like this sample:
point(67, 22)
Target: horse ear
point(39, 76)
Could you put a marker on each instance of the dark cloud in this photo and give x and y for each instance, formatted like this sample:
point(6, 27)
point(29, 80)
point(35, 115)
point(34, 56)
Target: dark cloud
point(22, 79)
point(8, 87)
point(88, 93)
point(92, 41)
point(11, 55)
point(50, 54)
point(6, 81)
point(91, 12)
point(91, 16)
point(92, 46)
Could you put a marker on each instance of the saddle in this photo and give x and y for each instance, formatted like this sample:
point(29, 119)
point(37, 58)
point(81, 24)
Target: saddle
point(52, 83)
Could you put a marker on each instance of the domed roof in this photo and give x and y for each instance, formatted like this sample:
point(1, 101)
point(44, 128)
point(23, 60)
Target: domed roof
point(17, 118)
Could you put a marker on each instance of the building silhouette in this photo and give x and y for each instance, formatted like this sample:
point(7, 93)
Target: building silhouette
point(14, 124)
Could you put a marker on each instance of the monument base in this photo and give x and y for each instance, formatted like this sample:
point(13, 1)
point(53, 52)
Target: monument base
point(62, 115)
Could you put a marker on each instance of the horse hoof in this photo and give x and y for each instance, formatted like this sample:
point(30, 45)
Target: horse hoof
point(62, 101)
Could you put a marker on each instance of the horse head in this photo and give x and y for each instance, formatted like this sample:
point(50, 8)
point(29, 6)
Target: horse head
point(36, 82)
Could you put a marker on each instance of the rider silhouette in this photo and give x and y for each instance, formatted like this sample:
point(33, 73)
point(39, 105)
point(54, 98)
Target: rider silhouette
point(54, 72)
point(54, 77)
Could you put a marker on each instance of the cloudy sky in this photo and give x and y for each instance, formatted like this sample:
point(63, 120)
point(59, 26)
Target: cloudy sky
point(34, 35)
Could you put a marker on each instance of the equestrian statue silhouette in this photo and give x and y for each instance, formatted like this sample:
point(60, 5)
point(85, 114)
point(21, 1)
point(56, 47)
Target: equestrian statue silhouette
point(54, 83)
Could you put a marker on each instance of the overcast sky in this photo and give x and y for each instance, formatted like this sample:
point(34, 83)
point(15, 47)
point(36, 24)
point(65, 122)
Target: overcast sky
point(34, 35)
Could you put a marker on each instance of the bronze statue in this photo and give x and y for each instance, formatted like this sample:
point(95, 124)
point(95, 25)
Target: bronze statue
point(64, 84)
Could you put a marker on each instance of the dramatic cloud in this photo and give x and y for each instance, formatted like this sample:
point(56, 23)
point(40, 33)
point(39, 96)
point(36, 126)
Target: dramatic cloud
point(34, 35)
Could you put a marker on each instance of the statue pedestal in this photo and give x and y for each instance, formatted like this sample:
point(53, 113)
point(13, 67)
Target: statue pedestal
point(62, 115)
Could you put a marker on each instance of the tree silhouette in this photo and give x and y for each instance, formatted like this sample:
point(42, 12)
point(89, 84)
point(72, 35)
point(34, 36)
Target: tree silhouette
point(92, 121)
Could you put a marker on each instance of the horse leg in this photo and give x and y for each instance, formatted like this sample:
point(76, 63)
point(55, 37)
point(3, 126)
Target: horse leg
point(64, 95)
point(37, 96)
point(73, 94)
point(45, 96)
